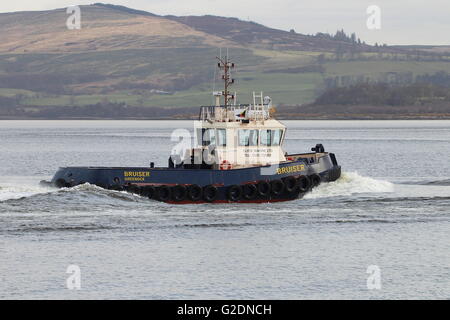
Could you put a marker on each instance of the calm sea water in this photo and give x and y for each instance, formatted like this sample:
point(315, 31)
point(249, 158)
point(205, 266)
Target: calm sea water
point(391, 209)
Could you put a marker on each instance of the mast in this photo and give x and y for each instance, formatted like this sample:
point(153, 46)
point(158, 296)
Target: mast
point(226, 65)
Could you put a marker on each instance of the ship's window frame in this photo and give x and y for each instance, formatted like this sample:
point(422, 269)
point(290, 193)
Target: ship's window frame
point(270, 134)
point(248, 137)
point(268, 141)
point(221, 137)
point(280, 132)
point(200, 136)
point(211, 139)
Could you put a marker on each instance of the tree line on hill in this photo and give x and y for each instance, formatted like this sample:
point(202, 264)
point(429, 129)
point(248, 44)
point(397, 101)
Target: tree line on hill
point(381, 94)
point(104, 110)
point(440, 78)
point(360, 51)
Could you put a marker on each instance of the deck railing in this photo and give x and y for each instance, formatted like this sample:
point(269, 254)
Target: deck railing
point(229, 113)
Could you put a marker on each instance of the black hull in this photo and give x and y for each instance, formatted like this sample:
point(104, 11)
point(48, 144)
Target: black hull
point(175, 185)
point(285, 195)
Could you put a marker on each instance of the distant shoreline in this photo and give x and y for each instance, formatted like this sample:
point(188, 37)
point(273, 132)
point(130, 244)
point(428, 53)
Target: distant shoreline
point(299, 117)
point(118, 111)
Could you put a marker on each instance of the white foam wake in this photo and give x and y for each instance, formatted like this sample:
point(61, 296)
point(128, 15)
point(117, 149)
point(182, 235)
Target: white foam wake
point(350, 183)
point(18, 190)
point(13, 188)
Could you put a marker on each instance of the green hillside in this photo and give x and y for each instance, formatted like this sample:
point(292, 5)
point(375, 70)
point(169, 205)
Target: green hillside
point(134, 58)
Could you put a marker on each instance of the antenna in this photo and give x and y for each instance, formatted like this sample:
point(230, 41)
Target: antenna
point(214, 79)
point(226, 65)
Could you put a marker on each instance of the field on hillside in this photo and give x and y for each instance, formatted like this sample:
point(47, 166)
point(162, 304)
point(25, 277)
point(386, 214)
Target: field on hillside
point(122, 57)
point(374, 68)
point(152, 69)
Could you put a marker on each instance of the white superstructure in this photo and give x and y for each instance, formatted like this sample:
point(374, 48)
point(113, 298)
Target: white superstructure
point(231, 136)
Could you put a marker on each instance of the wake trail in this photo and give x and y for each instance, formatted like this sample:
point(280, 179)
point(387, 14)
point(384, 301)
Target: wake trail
point(348, 184)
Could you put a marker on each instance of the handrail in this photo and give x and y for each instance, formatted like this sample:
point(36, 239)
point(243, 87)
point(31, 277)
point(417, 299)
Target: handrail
point(254, 112)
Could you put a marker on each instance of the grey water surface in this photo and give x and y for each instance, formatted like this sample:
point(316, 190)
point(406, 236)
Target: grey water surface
point(391, 209)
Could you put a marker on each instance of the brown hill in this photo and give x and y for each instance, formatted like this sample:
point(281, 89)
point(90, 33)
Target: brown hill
point(103, 28)
point(111, 27)
point(248, 33)
point(137, 59)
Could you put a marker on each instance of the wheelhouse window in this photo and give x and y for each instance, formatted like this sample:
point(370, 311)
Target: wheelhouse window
point(248, 138)
point(206, 137)
point(276, 137)
point(266, 137)
point(271, 137)
point(221, 137)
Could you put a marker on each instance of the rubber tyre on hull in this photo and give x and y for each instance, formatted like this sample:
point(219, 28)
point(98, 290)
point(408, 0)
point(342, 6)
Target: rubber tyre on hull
point(263, 189)
point(134, 189)
point(194, 192)
point(60, 183)
point(290, 184)
point(315, 180)
point(234, 193)
point(143, 191)
point(250, 191)
point(277, 187)
point(335, 174)
point(179, 193)
point(147, 192)
point(151, 192)
point(116, 187)
point(164, 193)
point(210, 193)
point(304, 183)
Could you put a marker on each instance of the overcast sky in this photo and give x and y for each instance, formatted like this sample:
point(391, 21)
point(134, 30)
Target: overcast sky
point(402, 21)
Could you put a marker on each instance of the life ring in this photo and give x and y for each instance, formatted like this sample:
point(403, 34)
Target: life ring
point(210, 193)
point(225, 165)
point(250, 191)
point(234, 193)
point(263, 188)
point(304, 183)
point(179, 192)
point(315, 179)
point(290, 183)
point(164, 193)
point(194, 192)
point(277, 187)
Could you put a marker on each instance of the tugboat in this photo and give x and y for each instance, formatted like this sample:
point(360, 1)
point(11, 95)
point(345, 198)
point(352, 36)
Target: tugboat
point(237, 158)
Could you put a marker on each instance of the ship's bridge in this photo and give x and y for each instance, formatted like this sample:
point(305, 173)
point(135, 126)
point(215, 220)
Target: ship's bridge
point(232, 135)
point(240, 136)
point(241, 144)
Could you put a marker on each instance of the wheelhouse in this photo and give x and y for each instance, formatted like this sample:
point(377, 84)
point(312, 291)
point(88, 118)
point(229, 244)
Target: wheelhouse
point(238, 145)
point(232, 135)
